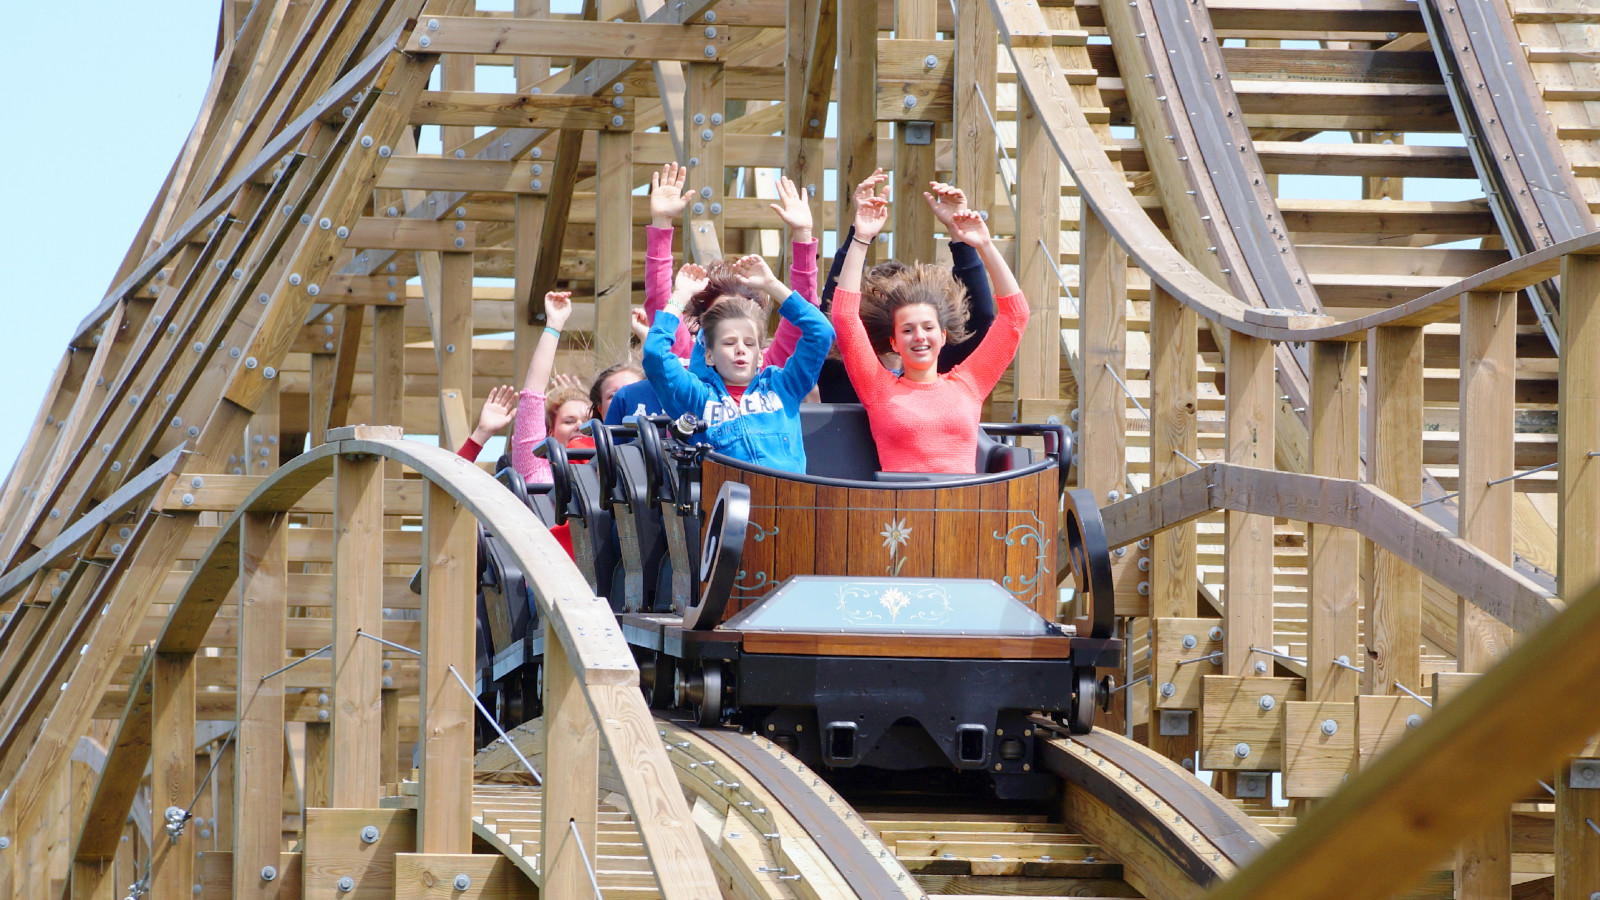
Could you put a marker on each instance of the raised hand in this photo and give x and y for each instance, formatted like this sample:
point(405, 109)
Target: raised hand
point(640, 323)
point(499, 410)
point(754, 271)
point(690, 279)
point(562, 380)
point(794, 209)
point(668, 199)
point(872, 206)
point(557, 308)
point(968, 227)
point(945, 200)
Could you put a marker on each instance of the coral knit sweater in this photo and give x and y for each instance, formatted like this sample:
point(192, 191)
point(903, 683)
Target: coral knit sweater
point(930, 427)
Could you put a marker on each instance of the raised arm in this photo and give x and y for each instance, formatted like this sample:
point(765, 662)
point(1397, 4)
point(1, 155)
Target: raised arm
point(668, 200)
point(946, 200)
point(988, 361)
point(797, 378)
point(678, 391)
point(499, 409)
point(795, 211)
point(872, 212)
point(529, 432)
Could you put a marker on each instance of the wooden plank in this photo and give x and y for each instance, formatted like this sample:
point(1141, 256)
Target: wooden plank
point(553, 231)
point(259, 770)
point(1236, 715)
point(956, 536)
point(1578, 487)
point(358, 610)
point(317, 773)
point(453, 342)
point(216, 875)
point(444, 817)
point(795, 519)
point(1382, 722)
point(432, 876)
point(1334, 607)
point(1318, 758)
point(1395, 409)
point(976, 162)
point(1171, 645)
point(1252, 407)
point(914, 20)
point(568, 37)
point(468, 108)
point(335, 849)
point(811, 38)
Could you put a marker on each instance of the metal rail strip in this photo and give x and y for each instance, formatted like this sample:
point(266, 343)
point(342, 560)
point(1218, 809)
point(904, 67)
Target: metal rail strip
point(1532, 191)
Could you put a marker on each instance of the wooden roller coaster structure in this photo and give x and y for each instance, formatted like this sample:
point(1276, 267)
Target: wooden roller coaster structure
point(1344, 454)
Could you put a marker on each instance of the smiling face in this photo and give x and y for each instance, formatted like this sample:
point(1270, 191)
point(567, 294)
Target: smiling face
point(734, 349)
point(613, 383)
point(569, 416)
point(917, 336)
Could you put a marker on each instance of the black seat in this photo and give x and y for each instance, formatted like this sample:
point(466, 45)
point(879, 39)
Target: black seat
point(839, 444)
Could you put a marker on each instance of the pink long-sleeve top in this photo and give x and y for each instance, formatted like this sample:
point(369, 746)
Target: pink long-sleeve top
point(528, 434)
point(658, 288)
point(927, 427)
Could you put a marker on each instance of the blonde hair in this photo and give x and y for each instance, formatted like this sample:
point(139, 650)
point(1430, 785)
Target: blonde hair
point(558, 398)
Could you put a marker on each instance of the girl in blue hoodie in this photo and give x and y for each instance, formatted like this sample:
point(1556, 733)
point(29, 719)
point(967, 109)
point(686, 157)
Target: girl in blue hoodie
point(752, 413)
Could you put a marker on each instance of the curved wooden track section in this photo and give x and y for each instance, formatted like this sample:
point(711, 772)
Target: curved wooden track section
point(1124, 813)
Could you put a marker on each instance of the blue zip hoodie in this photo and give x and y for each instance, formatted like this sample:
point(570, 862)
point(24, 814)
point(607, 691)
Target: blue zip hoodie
point(764, 425)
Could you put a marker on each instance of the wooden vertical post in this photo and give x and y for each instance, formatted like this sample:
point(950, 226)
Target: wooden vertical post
point(357, 608)
point(913, 163)
point(324, 366)
point(530, 70)
point(1334, 617)
point(172, 686)
point(1103, 330)
point(389, 752)
point(811, 33)
point(857, 106)
point(456, 73)
point(613, 240)
point(455, 329)
point(1247, 555)
point(1486, 453)
point(572, 749)
point(1174, 349)
point(705, 98)
point(1038, 254)
point(1578, 508)
point(318, 773)
point(444, 813)
point(528, 218)
point(977, 162)
point(259, 762)
point(1394, 392)
point(222, 788)
point(389, 365)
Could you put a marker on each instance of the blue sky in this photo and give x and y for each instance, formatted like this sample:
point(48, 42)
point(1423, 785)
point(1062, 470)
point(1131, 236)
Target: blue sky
point(103, 97)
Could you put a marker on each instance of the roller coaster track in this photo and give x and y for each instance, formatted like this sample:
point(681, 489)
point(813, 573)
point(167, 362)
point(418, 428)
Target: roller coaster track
point(1535, 196)
point(764, 815)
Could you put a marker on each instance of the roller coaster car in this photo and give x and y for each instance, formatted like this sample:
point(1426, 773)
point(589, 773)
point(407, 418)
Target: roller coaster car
point(892, 620)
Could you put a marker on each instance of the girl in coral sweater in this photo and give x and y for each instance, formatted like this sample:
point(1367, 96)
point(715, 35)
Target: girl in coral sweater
point(922, 420)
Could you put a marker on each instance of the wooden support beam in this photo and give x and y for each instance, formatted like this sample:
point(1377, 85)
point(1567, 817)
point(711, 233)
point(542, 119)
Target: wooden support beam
point(468, 109)
point(1038, 245)
point(1394, 389)
point(977, 162)
point(172, 781)
point(613, 292)
point(1334, 613)
point(1251, 409)
point(258, 774)
point(1578, 508)
point(857, 111)
point(317, 774)
point(704, 106)
point(1488, 409)
point(388, 365)
point(563, 172)
point(468, 35)
point(1102, 330)
point(811, 37)
point(444, 809)
point(357, 610)
point(913, 162)
point(453, 343)
point(1174, 350)
point(572, 748)
point(526, 320)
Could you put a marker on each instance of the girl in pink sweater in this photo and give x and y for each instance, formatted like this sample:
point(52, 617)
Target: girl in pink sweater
point(923, 421)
